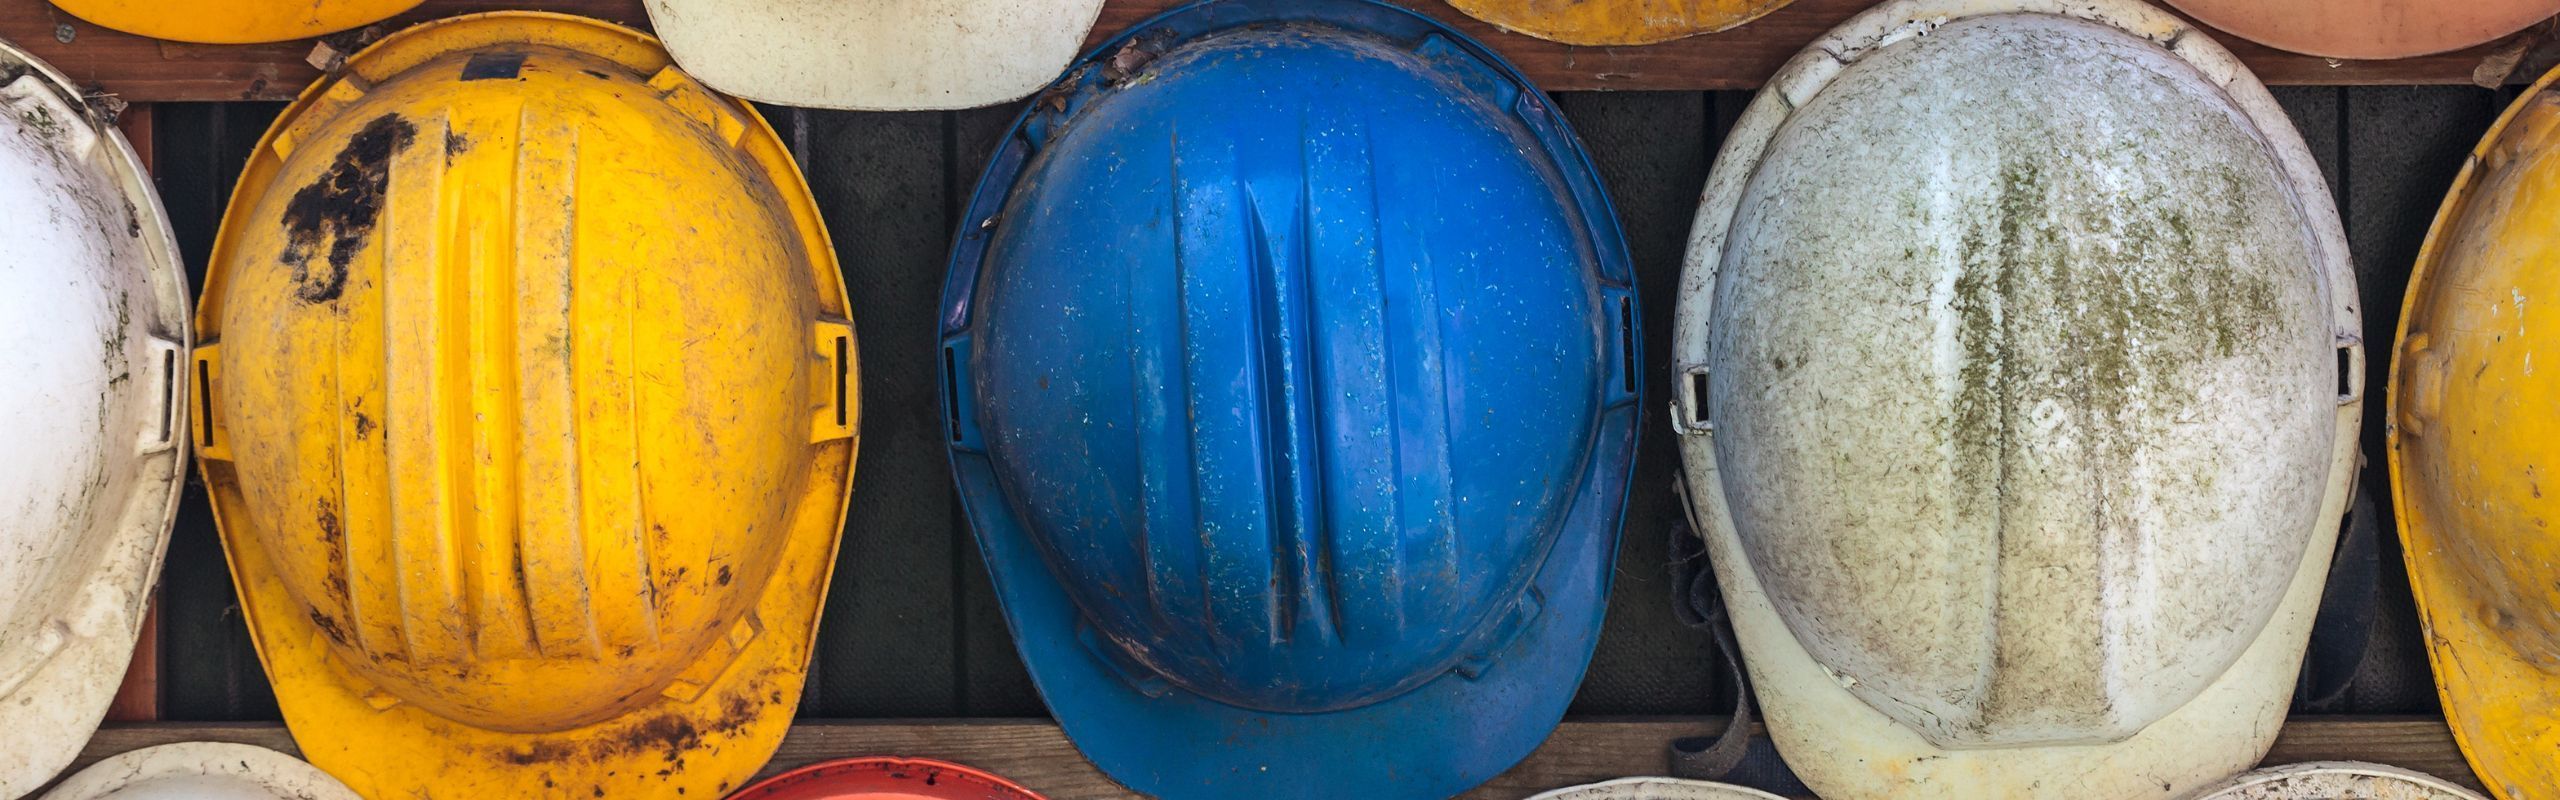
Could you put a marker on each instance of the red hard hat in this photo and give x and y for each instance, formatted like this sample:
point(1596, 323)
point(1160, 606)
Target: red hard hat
point(885, 779)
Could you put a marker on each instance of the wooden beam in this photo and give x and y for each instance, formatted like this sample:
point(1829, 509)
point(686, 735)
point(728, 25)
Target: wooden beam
point(145, 70)
point(1035, 754)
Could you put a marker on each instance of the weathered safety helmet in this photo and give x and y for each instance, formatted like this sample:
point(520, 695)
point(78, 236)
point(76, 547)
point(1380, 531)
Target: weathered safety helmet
point(91, 282)
point(201, 771)
point(2369, 29)
point(882, 778)
point(1655, 789)
point(869, 55)
point(1288, 348)
point(2019, 382)
point(2472, 436)
point(234, 21)
point(2335, 780)
point(528, 416)
point(1616, 22)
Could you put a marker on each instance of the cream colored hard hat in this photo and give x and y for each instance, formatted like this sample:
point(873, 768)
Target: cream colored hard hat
point(875, 55)
point(2335, 780)
point(201, 771)
point(2020, 382)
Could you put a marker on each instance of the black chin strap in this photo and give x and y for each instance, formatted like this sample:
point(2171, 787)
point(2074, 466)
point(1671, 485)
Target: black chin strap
point(1699, 604)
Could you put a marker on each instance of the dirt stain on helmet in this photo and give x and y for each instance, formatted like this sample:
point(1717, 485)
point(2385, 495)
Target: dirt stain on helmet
point(338, 209)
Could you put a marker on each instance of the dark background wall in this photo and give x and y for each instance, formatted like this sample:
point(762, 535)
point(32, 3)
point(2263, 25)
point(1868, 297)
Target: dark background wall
point(911, 626)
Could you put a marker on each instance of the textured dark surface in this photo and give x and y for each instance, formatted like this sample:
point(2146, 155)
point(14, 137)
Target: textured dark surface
point(911, 626)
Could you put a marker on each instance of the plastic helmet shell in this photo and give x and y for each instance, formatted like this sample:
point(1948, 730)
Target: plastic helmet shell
point(201, 771)
point(531, 477)
point(88, 485)
point(2335, 780)
point(1655, 789)
point(2471, 440)
point(2369, 29)
point(875, 55)
point(234, 21)
point(2013, 413)
point(1603, 23)
point(885, 779)
point(1298, 468)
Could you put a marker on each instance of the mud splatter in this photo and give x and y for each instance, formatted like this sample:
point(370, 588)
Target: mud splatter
point(329, 627)
point(540, 752)
point(339, 208)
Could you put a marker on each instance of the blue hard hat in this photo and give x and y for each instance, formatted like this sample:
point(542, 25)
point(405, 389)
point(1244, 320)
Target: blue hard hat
point(1289, 359)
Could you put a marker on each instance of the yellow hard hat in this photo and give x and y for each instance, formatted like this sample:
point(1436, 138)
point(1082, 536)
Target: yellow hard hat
point(234, 21)
point(2475, 449)
point(528, 417)
point(1616, 22)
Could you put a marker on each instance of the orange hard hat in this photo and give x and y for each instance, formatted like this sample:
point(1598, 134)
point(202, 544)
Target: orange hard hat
point(2369, 29)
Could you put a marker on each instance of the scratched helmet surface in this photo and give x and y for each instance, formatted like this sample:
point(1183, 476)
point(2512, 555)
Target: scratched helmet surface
point(89, 475)
point(1289, 351)
point(2061, 507)
point(529, 417)
point(234, 21)
point(2472, 441)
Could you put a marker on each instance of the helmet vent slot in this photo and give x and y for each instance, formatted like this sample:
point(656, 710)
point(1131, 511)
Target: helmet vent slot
point(2350, 369)
point(951, 389)
point(1627, 344)
point(204, 399)
point(168, 394)
point(843, 367)
point(1698, 412)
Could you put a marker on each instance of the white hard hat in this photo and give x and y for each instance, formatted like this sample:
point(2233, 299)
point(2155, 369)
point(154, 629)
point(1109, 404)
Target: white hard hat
point(2019, 397)
point(1655, 789)
point(201, 771)
point(875, 55)
point(96, 406)
point(2335, 780)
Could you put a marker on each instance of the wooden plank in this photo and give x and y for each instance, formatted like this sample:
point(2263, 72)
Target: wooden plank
point(144, 70)
point(138, 698)
point(1037, 755)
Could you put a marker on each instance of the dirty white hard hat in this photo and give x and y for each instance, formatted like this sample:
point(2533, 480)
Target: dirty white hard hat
point(2019, 388)
point(2332, 780)
point(201, 771)
point(96, 407)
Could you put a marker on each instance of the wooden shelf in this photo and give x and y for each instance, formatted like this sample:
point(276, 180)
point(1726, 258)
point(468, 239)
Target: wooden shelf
point(1036, 754)
point(145, 70)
